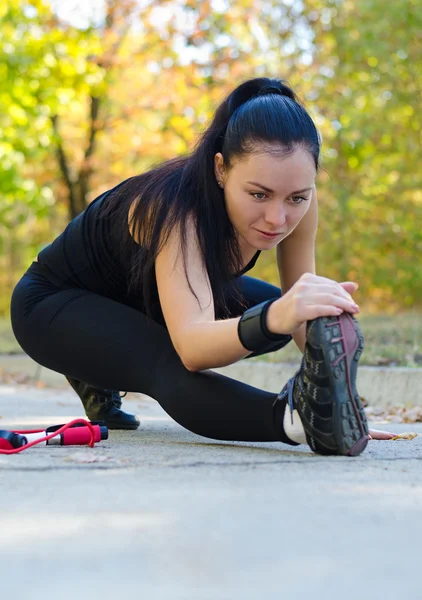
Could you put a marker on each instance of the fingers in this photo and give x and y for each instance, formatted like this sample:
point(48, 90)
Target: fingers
point(343, 289)
point(316, 296)
point(349, 284)
point(322, 279)
point(349, 305)
point(333, 300)
point(324, 310)
point(377, 434)
point(324, 285)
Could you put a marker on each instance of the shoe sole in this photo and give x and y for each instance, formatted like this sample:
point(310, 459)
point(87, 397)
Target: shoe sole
point(114, 424)
point(118, 426)
point(341, 342)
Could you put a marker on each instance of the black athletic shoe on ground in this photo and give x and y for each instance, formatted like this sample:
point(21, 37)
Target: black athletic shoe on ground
point(103, 405)
point(323, 391)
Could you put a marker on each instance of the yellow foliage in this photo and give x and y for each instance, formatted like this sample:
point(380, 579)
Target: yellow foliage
point(359, 89)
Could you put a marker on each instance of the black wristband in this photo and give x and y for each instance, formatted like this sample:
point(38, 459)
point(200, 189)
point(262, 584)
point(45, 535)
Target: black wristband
point(253, 331)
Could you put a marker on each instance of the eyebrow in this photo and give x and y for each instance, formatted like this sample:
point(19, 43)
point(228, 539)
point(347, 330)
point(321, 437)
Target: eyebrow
point(270, 191)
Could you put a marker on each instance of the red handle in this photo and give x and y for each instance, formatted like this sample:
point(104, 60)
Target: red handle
point(5, 444)
point(79, 436)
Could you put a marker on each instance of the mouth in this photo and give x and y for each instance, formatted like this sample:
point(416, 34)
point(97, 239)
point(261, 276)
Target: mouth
point(269, 234)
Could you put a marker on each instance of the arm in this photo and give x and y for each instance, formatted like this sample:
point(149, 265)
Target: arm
point(200, 341)
point(296, 256)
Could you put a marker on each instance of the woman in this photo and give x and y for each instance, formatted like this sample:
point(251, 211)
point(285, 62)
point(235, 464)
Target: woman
point(145, 290)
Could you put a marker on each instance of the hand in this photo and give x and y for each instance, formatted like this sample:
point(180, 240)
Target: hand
point(377, 434)
point(310, 297)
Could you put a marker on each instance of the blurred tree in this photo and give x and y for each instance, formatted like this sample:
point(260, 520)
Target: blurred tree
point(86, 106)
point(24, 136)
point(367, 83)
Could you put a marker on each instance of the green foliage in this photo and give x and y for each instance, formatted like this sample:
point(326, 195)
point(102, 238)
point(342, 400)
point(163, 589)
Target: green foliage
point(369, 87)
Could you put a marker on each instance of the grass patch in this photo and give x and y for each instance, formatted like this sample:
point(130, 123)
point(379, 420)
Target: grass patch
point(394, 341)
point(389, 341)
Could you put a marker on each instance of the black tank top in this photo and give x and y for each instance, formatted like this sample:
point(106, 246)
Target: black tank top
point(86, 255)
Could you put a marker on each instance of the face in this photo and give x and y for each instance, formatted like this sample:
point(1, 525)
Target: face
point(266, 194)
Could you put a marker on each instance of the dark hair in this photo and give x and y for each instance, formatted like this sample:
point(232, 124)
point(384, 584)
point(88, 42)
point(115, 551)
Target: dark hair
point(261, 113)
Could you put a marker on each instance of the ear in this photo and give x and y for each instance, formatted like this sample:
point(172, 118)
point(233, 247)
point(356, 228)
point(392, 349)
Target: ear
point(219, 169)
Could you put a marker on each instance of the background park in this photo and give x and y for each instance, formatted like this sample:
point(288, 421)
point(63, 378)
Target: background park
point(92, 93)
point(95, 91)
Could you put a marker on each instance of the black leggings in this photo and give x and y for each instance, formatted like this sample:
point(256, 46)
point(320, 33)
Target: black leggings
point(111, 345)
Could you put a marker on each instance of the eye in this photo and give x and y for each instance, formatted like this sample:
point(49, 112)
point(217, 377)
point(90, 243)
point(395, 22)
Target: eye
point(301, 198)
point(255, 194)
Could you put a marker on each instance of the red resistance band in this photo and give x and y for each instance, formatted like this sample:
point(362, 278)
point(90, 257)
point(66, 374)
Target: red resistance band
point(77, 432)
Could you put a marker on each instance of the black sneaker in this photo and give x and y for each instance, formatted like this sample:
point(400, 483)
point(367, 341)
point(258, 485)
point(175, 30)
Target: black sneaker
point(323, 391)
point(103, 405)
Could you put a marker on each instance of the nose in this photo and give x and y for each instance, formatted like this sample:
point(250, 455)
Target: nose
point(276, 216)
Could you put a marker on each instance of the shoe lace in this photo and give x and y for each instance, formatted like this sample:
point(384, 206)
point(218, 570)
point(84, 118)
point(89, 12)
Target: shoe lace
point(106, 397)
point(115, 398)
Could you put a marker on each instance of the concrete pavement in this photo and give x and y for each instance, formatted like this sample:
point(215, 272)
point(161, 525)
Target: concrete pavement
point(162, 513)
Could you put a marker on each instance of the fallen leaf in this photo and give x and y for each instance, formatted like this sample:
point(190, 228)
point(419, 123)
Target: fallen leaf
point(405, 436)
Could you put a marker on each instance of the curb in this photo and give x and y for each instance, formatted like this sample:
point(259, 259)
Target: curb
point(379, 386)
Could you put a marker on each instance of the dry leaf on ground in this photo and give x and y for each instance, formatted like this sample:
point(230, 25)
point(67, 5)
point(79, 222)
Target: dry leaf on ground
point(405, 436)
point(395, 414)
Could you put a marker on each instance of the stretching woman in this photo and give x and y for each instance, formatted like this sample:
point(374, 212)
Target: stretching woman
point(145, 290)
